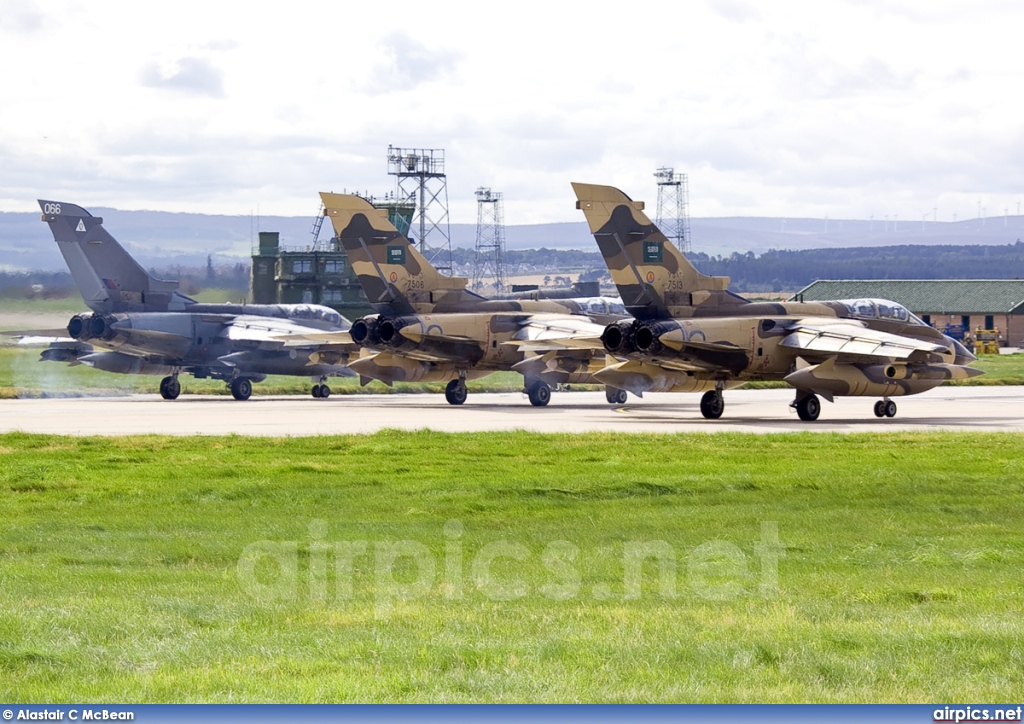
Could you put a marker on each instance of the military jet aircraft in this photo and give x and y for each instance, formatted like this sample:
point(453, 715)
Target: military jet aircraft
point(430, 327)
point(690, 334)
point(144, 325)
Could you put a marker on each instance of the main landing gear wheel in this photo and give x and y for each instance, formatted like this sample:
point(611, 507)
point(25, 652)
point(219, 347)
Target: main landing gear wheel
point(539, 393)
point(890, 408)
point(712, 405)
point(456, 392)
point(808, 408)
point(170, 388)
point(615, 396)
point(241, 389)
point(321, 391)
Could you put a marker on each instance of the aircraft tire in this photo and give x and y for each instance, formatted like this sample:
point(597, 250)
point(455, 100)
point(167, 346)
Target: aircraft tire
point(712, 405)
point(170, 388)
point(809, 408)
point(880, 408)
point(456, 392)
point(241, 389)
point(325, 392)
point(316, 391)
point(539, 393)
point(615, 396)
point(890, 408)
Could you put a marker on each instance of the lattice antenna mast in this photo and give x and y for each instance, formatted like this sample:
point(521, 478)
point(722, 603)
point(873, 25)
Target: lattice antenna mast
point(318, 223)
point(673, 207)
point(420, 179)
point(489, 260)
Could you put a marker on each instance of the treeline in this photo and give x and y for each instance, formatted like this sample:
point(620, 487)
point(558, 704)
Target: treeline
point(552, 259)
point(777, 270)
point(60, 284)
point(773, 270)
point(791, 270)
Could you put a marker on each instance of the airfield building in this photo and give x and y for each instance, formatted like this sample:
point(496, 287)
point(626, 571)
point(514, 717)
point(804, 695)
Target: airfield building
point(318, 273)
point(957, 305)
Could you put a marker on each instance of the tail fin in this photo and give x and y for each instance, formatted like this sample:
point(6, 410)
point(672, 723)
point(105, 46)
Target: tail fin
point(653, 277)
point(393, 273)
point(109, 279)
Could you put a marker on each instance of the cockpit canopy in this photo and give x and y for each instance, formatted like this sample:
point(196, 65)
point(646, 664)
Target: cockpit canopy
point(601, 305)
point(317, 313)
point(881, 309)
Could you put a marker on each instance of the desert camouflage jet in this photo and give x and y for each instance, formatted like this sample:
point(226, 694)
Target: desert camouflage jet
point(690, 334)
point(430, 327)
point(145, 326)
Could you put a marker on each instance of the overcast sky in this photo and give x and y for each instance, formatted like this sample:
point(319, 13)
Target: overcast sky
point(839, 109)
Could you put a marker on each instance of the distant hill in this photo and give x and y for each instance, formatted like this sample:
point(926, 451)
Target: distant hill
point(163, 239)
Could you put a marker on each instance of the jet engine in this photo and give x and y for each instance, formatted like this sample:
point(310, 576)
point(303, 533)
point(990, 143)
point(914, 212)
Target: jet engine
point(618, 337)
point(78, 327)
point(364, 331)
point(648, 336)
point(84, 327)
point(388, 333)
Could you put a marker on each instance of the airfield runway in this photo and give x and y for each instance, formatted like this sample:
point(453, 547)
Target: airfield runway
point(976, 409)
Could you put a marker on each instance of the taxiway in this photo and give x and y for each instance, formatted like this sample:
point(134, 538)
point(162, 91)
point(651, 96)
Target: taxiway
point(977, 409)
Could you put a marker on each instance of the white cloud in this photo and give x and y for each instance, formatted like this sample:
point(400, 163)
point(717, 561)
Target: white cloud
point(16, 17)
point(795, 108)
point(190, 75)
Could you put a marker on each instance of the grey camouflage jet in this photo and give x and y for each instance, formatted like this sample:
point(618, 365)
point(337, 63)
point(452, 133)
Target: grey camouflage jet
point(690, 334)
point(143, 325)
point(431, 328)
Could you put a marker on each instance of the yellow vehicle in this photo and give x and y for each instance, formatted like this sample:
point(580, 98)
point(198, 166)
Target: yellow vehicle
point(986, 341)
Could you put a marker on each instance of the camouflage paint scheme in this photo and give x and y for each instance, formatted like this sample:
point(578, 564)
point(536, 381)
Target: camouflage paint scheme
point(690, 333)
point(430, 327)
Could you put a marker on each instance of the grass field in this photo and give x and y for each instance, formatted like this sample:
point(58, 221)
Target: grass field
point(510, 567)
point(22, 375)
point(73, 303)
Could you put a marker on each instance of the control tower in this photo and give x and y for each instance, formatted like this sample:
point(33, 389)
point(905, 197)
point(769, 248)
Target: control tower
point(489, 260)
point(420, 179)
point(673, 207)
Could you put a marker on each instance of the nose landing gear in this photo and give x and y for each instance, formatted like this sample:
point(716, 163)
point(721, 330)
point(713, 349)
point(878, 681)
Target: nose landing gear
point(170, 388)
point(885, 408)
point(320, 390)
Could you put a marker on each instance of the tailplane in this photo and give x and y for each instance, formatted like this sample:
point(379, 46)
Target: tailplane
point(109, 279)
point(653, 277)
point(395, 276)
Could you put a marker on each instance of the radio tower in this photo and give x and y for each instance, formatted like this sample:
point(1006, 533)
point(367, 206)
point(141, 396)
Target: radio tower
point(489, 260)
point(420, 180)
point(673, 207)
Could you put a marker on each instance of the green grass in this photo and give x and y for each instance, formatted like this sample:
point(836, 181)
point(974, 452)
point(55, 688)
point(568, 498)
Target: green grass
point(901, 581)
point(1000, 369)
point(73, 304)
point(59, 305)
point(22, 375)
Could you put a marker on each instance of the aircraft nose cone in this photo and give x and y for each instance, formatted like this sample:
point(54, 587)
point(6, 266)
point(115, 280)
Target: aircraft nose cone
point(963, 355)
